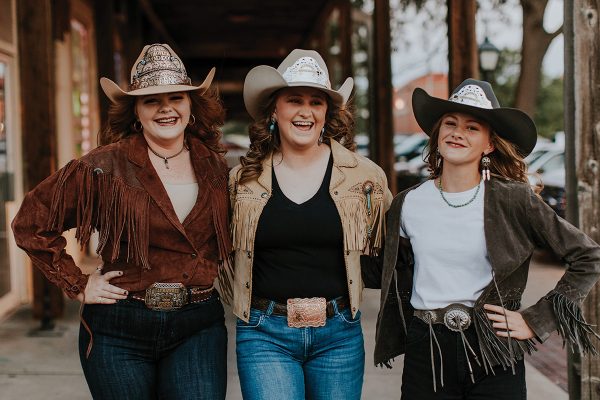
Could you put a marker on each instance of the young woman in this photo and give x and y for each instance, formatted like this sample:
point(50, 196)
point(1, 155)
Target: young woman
point(152, 325)
point(305, 207)
point(457, 255)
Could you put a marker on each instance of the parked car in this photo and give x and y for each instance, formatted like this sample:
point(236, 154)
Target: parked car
point(554, 193)
point(548, 170)
point(410, 147)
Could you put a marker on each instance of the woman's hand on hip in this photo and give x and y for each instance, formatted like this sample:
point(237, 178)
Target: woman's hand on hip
point(99, 290)
point(517, 326)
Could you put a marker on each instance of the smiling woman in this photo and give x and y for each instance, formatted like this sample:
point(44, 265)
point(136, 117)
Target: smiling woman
point(458, 248)
point(305, 208)
point(156, 192)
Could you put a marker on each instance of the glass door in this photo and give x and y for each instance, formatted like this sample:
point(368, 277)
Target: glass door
point(6, 181)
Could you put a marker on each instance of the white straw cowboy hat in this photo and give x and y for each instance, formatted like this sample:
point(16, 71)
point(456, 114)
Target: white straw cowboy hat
point(157, 70)
point(477, 98)
point(299, 68)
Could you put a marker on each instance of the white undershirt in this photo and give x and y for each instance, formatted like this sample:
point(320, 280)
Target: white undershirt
point(183, 197)
point(451, 261)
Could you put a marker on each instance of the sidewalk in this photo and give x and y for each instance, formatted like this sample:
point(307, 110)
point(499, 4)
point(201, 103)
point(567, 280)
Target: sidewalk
point(38, 368)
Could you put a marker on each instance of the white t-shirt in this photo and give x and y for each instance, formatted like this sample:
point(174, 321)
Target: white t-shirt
point(451, 260)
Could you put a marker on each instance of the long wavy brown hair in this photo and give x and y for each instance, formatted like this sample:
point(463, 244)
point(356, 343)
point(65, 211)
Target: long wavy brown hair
point(339, 126)
point(206, 108)
point(506, 161)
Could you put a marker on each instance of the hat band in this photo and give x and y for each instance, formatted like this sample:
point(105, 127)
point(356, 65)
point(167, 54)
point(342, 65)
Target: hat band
point(160, 78)
point(471, 95)
point(306, 70)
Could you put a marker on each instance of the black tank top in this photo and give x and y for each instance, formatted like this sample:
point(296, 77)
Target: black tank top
point(298, 249)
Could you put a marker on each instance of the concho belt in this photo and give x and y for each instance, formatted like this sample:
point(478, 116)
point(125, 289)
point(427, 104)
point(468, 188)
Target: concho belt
point(457, 318)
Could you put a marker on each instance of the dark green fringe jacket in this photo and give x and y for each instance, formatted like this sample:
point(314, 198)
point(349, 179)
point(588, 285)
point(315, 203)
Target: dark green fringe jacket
point(516, 221)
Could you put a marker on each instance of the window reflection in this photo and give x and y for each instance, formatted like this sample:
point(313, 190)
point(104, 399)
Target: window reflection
point(4, 184)
point(80, 95)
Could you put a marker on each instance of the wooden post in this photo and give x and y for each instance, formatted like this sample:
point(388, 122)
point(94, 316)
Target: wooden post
point(572, 211)
point(586, 29)
point(346, 38)
point(462, 42)
point(36, 69)
point(105, 27)
point(381, 84)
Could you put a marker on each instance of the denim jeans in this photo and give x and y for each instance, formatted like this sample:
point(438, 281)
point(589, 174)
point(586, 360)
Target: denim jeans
point(139, 353)
point(278, 362)
point(417, 378)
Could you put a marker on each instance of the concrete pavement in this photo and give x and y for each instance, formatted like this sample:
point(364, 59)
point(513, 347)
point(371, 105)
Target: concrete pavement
point(47, 368)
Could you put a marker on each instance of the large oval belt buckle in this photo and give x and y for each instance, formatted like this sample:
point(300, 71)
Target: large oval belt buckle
point(457, 319)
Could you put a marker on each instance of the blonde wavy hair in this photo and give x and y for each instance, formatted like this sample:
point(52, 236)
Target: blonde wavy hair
point(206, 108)
point(339, 126)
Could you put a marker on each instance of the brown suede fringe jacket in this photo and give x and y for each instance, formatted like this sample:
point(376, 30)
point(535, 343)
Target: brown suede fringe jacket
point(115, 190)
point(516, 221)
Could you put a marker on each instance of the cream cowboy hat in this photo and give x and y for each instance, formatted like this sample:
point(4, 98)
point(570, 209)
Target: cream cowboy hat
point(477, 98)
point(157, 70)
point(299, 68)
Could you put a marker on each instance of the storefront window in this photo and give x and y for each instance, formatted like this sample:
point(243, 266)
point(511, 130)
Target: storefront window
point(80, 94)
point(5, 182)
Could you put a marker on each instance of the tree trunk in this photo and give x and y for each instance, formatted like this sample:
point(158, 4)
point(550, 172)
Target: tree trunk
point(462, 44)
point(535, 44)
point(587, 128)
point(382, 92)
point(36, 67)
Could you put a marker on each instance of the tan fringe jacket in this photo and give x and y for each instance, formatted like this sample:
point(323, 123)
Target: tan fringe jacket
point(362, 214)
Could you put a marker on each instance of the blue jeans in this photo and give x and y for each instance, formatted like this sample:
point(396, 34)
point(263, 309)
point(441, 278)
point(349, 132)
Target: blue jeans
point(276, 361)
point(139, 353)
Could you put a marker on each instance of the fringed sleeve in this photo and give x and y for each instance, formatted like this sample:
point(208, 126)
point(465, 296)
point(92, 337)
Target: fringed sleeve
point(81, 196)
point(572, 326)
point(104, 203)
point(561, 308)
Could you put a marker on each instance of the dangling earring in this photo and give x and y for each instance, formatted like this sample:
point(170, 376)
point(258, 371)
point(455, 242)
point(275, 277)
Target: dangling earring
point(192, 120)
point(485, 168)
point(272, 126)
point(321, 136)
point(137, 125)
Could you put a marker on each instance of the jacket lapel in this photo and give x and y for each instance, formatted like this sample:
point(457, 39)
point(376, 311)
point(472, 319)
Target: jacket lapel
point(199, 155)
point(265, 178)
point(147, 176)
point(342, 158)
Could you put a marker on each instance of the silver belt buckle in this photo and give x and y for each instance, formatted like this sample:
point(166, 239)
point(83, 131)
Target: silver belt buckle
point(162, 296)
point(457, 318)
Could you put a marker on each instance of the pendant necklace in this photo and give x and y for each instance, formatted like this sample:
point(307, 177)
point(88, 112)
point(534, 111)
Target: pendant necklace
point(166, 159)
point(457, 205)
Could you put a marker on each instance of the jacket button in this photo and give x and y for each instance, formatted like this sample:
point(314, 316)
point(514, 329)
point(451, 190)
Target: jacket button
point(353, 309)
point(247, 285)
point(264, 195)
point(245, 314)
point(351, 281)
point(185, 276)
point(193, 255)
point(336, 192)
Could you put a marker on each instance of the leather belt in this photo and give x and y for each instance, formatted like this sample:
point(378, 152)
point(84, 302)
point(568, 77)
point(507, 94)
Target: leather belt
point(261, 304)
point(171, 296)
point(456, 316)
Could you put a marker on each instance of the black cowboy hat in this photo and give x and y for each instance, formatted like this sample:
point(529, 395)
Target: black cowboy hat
point(478, 99)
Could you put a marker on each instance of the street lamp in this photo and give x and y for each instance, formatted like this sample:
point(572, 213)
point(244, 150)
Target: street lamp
point(488, 58)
